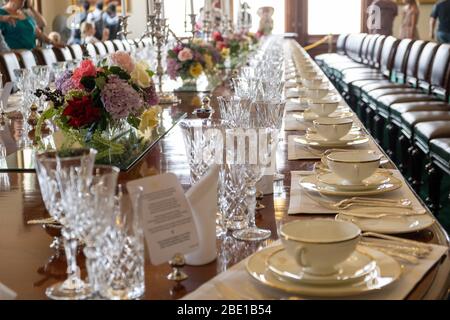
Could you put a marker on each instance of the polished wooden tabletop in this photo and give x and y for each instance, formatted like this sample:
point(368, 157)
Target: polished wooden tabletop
point(28, 265)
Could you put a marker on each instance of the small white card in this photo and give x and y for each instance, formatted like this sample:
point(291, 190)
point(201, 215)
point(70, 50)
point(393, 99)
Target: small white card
point(168, 222)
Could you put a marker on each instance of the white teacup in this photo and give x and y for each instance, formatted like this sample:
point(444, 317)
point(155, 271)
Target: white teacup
point(354, 166)
point(309, 73)
point(325, 106)
point(333, 129)
point(320, 245)
point(315, 94)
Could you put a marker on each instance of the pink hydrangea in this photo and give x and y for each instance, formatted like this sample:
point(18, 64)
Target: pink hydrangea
point(123, 60)
point(185, 55)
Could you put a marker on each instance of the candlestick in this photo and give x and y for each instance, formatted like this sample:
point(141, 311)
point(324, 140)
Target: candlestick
point(152, 7)
point(124, 8)
point(227, 8)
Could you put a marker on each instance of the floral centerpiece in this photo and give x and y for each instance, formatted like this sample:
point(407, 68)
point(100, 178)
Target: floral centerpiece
point(235, 46)
point(190, 60)
point(109, 107)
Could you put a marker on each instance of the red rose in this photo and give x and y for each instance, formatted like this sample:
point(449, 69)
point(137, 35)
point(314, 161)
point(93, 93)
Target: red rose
point(86, 69)
point(80, 112)
point(220, 45)
point(217, 36)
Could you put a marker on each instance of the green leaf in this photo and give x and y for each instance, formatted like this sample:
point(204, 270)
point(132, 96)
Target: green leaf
point(122, 74)
point(100, 82)
point(150, 73)
point(88, 83)
point(134, 121)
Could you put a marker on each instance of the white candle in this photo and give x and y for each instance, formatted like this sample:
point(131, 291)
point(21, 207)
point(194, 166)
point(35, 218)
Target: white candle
point(163, 14)
point(151, 6)
point(124, 8)
point(192, 7)
point(227, 8)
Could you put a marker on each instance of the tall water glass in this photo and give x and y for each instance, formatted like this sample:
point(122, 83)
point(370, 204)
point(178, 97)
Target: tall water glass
point(120, 249)
point(254, 166)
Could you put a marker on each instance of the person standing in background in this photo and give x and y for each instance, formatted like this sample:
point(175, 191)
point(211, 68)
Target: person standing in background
point(96, 17)
point(111, 21)
point(31, 11)
point(441, 12)
point(408, 29)
point(24, 32)
point(81, 17)
point(388, 10)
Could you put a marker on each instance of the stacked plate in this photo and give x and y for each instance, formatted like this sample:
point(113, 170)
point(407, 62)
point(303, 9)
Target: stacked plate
point(377, 183)
point(313, 139)
point(364, 271)
point(309, 116)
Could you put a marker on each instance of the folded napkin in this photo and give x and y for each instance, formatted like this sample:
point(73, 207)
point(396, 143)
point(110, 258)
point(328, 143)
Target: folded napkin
point(292, 124)
point(236, 284)
point(292, 93)
point(291, 84)
point(202, 198)
point(298, 152)
point(6, 92)
point(6, 293)
point(13, 103)
point(265, 185)
point(300, 203)
point(295, 105)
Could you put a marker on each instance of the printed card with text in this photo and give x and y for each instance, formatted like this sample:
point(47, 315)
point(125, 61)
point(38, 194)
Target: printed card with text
point(168, 223)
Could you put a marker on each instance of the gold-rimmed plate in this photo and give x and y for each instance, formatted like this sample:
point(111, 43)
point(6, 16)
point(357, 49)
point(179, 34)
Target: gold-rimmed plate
point(358, 267)
point(315, 140)
point(311, 183)
point(388, 271)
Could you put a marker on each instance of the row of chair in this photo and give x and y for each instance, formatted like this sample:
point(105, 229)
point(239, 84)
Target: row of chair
point(9, 61)
point(400, 90)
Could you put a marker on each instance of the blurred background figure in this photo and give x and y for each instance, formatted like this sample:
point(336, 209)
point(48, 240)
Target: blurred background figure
point(55, 37)
point(266, 22)
point(441, 13)
point(97, 18)
point(80, 18)
point(111, 22)
point(88, 33)
point(410, 18)
point(388, 10)
point(23, 33)
point(30, 9)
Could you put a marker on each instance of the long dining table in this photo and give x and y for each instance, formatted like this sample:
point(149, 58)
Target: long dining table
point(28, 265)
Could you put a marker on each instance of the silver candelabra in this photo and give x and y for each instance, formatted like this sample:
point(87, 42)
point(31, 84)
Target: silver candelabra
point(158, 31)
point(123, 23)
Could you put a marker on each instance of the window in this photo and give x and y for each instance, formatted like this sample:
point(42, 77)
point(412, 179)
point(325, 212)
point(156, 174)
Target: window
point(278, 16)
point(334, 17)
point(176, 10)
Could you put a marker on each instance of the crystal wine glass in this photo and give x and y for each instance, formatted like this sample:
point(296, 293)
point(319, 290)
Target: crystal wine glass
point(47, 166)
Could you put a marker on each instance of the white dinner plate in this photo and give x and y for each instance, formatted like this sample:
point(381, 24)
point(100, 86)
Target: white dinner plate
point(387, 271)
point(315, 140)
point(310, 183)
point(341, 113)
point(358, 267)
point(333, 180)
point(354, 129)
point(391, 224)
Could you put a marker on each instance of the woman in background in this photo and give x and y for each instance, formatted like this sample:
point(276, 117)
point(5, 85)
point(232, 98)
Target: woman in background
point(24, 32)
point(409, 20)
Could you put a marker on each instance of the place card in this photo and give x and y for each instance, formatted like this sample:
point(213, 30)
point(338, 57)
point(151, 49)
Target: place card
point(6, 293)
point(168, 222)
